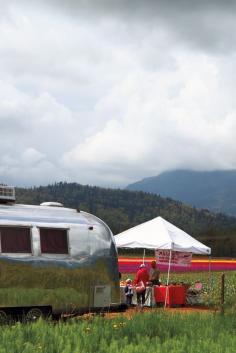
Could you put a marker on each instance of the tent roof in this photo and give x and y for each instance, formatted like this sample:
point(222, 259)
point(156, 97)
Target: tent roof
point(160, 234)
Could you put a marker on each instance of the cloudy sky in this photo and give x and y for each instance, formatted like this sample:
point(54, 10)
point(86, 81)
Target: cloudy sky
point(106, 92)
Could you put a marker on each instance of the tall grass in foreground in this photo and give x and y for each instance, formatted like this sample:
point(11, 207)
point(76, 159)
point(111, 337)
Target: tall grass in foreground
point(157, 331)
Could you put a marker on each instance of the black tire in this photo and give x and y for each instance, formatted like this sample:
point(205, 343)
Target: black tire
point(33, 315)
point(3, 317)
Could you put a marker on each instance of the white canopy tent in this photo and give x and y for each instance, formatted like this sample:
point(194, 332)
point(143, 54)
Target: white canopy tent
point(160, 234)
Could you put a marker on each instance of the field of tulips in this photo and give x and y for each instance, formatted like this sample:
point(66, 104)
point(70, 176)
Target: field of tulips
point(155, 331)
point(130, 265)
point(198, 271)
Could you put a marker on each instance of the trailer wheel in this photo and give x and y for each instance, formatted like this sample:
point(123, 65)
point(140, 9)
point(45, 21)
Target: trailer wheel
point(33, 314)
point(3, 317)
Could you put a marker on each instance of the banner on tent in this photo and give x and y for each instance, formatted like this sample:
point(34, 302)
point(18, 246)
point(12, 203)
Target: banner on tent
point(177, 257)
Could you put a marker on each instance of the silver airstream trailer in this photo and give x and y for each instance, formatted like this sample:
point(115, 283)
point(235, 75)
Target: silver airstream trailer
point(54, 260)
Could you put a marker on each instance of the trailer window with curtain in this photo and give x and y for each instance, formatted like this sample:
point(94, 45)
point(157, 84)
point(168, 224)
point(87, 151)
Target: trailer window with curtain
point(54, 241)
point(15, 240)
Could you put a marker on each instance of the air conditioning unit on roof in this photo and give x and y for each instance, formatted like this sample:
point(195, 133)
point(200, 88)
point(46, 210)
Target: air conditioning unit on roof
point(7, 193)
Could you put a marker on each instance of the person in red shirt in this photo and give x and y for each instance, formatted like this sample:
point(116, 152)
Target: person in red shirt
point(142, 276)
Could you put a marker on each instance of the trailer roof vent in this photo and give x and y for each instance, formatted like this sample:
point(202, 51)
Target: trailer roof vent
point(52, 204)
point(7, 194)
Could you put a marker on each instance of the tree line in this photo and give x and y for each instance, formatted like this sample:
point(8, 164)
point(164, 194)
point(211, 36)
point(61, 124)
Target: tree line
point(123, 209)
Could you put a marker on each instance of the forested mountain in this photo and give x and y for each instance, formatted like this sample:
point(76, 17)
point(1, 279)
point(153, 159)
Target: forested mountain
point(215, 190)
point(122, 209)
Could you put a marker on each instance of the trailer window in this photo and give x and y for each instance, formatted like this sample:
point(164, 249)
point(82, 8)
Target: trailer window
point(15, 240)
point(53, 241)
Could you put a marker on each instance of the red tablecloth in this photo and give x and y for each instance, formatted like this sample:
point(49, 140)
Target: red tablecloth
point(176, 295)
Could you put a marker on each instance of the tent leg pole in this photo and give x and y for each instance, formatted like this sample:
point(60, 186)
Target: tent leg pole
point(209, 274)
point(143, 255)
point(168, 277)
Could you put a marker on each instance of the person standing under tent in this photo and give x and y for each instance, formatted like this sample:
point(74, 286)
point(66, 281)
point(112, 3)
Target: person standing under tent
point(140, 281)
point(154, 274)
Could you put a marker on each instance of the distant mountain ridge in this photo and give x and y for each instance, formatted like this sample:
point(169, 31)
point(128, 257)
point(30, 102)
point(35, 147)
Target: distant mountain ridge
point(214, 190)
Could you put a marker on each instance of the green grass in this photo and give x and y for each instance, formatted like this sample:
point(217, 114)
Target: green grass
point(211, 286)
point(153, 332)
point(157, 331)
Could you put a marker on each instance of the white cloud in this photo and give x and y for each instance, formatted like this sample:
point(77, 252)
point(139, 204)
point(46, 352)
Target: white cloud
point(165, 121)
point(29, 168)
point(32, 156)
point(110, 93)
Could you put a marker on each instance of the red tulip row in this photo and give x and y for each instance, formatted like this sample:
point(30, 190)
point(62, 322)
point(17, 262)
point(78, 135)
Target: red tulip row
point(130, 265)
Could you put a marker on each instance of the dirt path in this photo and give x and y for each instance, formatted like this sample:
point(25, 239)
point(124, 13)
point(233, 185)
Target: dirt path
point(129, 313)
